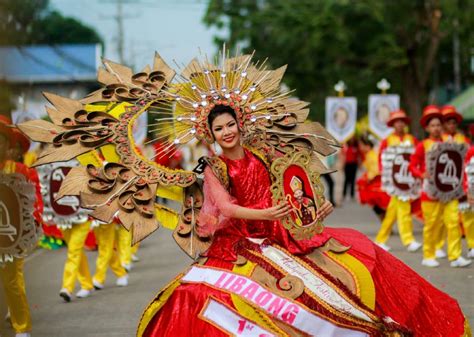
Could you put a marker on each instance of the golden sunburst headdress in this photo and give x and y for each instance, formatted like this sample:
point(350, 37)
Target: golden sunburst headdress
point(269, 118)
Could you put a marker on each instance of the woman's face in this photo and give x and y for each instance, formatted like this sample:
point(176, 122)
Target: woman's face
point(225, 131)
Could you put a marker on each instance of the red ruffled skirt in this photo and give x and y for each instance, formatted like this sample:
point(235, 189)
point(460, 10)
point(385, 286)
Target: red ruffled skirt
point(371, 193)
point(400, 293)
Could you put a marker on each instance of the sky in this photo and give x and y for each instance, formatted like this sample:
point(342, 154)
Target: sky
point(174, 28)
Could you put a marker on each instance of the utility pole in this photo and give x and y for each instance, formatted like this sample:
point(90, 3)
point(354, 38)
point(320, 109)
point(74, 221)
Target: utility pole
point(119, 18)
point(120, 37)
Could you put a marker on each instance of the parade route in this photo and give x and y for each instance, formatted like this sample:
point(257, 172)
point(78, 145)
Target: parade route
point(115, 311)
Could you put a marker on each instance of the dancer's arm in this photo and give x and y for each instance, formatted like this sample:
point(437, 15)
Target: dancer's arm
point(221, 198)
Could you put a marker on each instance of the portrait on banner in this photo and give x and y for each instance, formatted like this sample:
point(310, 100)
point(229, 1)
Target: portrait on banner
point(380, 107)
point(341, 116)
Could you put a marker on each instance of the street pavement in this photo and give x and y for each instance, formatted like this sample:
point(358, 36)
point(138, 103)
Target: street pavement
point(115, 311)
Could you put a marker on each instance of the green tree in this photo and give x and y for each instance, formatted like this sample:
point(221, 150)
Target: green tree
point(360, 42)
point(30, 22)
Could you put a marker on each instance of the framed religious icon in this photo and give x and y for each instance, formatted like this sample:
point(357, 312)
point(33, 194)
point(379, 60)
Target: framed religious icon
point(444, 164)
point(397, 180)
point(302, 190)
point(380, 107)
point(63, 212)
point(341, 117)
point(18, 231)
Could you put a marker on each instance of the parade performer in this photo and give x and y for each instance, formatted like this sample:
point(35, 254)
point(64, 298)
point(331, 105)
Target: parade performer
point(123, 245)
point(72, 221)
point(369, 184)
point(257, 271)
point(398, 210)
point(11, 270)
point(468, 215)
point(76, 266)
point(435, 213)
point(108, 256)
point(451, 120)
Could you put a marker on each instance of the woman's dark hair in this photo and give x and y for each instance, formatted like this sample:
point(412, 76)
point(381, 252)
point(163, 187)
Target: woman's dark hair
point(365, 139)
point(220, 110)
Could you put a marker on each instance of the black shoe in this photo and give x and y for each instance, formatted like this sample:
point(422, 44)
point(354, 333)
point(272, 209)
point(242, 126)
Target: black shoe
point(65, 295)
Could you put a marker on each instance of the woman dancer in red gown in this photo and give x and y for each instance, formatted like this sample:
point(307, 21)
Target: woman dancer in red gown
point(242, 222)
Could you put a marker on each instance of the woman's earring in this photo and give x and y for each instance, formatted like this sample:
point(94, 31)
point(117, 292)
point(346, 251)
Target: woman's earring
point(215, 147)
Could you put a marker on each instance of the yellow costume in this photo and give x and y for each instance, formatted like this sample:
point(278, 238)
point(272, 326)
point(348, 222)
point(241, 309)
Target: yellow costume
point(105, 237)
point(468, 222)
point(371, 165)
point(398, 210)
point(441, 234)
point(11, 274)
point(435, 213)
point(124, 246)
point(76, 266)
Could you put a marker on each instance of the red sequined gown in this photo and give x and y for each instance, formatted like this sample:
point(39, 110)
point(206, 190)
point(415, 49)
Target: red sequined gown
point(401, 294)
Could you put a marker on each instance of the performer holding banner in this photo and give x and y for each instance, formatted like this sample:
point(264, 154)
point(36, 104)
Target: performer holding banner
point(451, 121)
point(20, 209)
point(263, 264)
point(73, 222)
point(468, 214)
point(440, 165)
point(394, 154)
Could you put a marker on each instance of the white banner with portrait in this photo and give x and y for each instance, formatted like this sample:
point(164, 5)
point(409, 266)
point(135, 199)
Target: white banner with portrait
point(380, 107)
point(341, 117)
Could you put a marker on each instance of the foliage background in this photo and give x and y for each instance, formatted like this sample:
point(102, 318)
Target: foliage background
point(409, 42)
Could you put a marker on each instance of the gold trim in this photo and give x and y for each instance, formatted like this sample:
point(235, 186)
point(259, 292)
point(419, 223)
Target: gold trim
point(156, 304)
point(278, 169)
point(323, 303)
point(362, 276)
point(467, 328)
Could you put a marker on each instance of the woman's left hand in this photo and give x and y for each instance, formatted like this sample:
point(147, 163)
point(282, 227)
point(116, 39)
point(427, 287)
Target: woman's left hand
point(324, 210)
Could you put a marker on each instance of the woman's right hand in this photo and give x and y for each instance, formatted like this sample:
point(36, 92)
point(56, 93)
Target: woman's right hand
point(276, 212)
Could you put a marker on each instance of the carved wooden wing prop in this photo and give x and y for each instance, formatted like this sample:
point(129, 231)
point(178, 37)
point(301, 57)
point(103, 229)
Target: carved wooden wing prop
point(117, 180)
point(124, 183)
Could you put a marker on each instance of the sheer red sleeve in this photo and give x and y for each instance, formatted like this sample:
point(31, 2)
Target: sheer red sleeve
point(218, 207)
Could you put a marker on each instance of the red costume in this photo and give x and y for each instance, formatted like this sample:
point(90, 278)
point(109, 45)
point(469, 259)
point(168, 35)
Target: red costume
point(399, 292)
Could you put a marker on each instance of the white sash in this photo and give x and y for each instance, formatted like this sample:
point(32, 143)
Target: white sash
point(227, 319)
point(311, 281)
point(285, 310)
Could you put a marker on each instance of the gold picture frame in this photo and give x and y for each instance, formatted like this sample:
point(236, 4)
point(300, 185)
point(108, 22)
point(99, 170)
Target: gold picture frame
point(295, 184)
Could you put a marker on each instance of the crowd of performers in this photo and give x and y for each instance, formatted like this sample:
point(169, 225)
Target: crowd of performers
point(445, 223)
